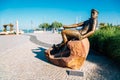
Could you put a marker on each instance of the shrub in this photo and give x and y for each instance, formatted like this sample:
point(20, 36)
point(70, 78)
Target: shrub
point(107, 41)
point(113, 47)
point(100, 37)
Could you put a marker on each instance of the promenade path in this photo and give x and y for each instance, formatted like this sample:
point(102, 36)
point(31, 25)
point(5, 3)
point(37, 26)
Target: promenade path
point(22, 58)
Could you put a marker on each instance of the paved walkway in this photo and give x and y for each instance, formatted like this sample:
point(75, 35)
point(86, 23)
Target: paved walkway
point(22, 58)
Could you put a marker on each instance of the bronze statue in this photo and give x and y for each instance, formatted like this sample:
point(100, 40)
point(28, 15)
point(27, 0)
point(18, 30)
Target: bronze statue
point(88, 28)
point(71, 53)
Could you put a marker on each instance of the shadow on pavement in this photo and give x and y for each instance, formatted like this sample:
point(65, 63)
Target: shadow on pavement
point(105, 70)
point(40, 53)
point(34, 40)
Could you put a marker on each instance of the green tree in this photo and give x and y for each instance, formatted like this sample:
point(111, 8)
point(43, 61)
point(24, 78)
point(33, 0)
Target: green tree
point(44, 26)
point(56, 24)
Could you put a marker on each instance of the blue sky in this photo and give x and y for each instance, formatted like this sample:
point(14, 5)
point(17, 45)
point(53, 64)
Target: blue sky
point(65, 11)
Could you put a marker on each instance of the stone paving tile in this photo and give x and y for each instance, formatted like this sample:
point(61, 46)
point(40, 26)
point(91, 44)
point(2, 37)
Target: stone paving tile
point(27, 61)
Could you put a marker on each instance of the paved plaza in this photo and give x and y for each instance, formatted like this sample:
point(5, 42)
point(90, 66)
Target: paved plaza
point(22, 58)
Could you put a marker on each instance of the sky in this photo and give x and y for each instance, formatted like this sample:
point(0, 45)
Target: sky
point(31, 13)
